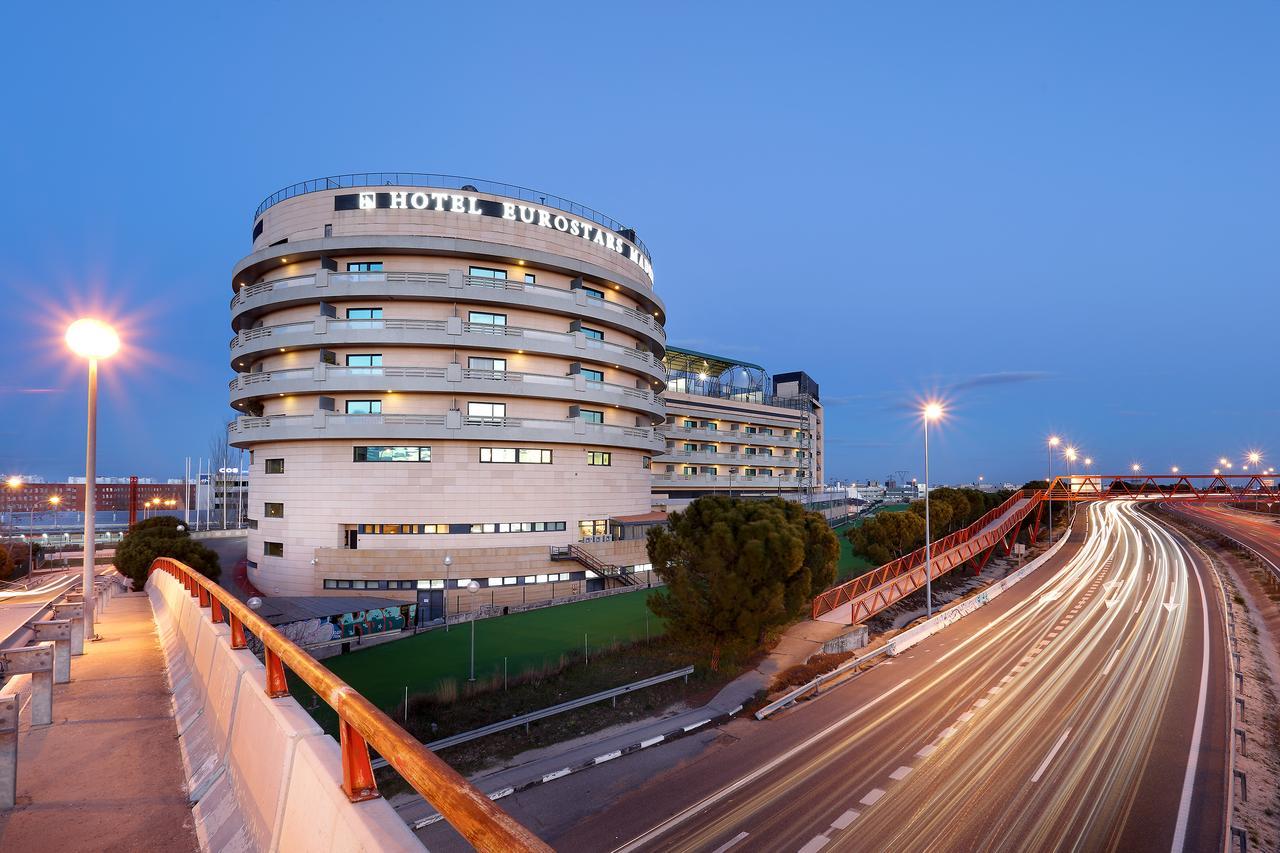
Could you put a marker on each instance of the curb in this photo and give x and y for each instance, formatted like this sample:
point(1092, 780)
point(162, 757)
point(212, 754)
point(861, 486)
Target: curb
point(674, 734)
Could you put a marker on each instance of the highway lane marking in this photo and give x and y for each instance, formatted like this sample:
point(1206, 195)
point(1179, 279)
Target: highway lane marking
point(901, 773)
point(1110, 663)
point(965, 717)
point(731, 842)
point(925, 751)
point(981, 702)
point(995, 689)
point(947, 732)
point(1193, 756)
point(1044, 765)
point(872, 796)
point(815, 844)
point(845, 819)
point(706, 802)
point(651, 741)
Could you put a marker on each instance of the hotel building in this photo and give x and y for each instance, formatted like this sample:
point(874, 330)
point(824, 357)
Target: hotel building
point(443, 380)
point(732, 429)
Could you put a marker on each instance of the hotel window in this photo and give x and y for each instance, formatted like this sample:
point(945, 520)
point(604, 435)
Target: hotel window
point(690, 470)
point(646, 462)
point(592, 375)
point(594, 334)
point(597, 457)
point(530, 278)
point(484, 318)
point(593, 527)
point(711, 471)
point(498, 365)
point(364, 313)
point(751, 430)
point(365, 360)
point(710, 448)
point(273, 466)
point(390, 454)
point(364, 407)
point(516, 455)
point(690, 424)
point(750, 472)
point(765, 472)
point(486, 272)
point(708, 425)
point(591, 291)
point(273, 510)
point(591, 416)
point(486, 413)
point(273, 549)
point(690, 448)
point(365, 266)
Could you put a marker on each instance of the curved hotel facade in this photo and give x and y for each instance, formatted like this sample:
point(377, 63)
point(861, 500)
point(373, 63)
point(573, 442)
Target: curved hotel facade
point(431, 367)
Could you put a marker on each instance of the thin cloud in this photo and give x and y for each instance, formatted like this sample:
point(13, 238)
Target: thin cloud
point(12, 390)
point(1008, 377)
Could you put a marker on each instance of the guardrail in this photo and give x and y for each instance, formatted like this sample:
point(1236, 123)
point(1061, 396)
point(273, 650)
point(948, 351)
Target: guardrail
point(361, 724)
point(534, 716)
point(809, 687)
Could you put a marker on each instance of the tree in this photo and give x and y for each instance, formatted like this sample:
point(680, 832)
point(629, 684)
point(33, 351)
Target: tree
point(736, 568)
point(162, 536)
point(7, 561)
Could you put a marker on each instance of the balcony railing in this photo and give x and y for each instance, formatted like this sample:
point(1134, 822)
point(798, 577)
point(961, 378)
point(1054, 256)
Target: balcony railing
point(727, 481)
point(440, 281)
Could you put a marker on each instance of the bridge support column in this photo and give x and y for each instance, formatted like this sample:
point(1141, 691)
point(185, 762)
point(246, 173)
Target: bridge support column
point(8, 751)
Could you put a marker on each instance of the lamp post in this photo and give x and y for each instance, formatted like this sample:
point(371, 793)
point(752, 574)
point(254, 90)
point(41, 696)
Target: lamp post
point(473, 587)
point(931, 412)
point(1255, 459)
point(92, 340)
point(1054, 441)
point(1070, 453)
point(1088, 464)
point(448, 561)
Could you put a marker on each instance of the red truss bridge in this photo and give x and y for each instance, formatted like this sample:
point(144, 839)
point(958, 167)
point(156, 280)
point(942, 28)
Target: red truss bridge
point(864, 596)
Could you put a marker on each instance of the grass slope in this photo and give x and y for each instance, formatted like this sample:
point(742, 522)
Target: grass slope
point(851, 565)
point(528, 640)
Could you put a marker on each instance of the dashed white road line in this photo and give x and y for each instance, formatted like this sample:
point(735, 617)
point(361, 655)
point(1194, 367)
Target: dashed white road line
point(872, 796)
point(1044, 765)
point(900, 773)
point(731, 842)
point(815, 844)
point(925, 751)
point(844, 820)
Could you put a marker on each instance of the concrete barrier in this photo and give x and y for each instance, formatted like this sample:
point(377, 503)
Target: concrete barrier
point(261, 774)
point(8, 751)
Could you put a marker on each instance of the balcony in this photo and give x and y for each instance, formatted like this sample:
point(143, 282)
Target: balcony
point(453, 379)
point(728, 436)
point(256, 299)
point(700, 457)
point(726, 482)
point(323, 332)
point(452, 426)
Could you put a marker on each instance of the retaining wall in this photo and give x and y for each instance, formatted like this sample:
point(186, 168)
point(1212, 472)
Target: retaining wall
point(260, 773)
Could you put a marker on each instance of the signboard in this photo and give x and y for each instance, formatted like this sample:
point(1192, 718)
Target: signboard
point(512, 211)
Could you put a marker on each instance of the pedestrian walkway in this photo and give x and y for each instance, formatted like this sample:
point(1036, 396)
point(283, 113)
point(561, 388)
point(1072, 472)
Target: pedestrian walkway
point(107, 774)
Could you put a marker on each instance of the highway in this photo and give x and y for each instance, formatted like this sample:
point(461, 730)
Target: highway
point(18, 606)
point(1259, 532)
point(1085, 709)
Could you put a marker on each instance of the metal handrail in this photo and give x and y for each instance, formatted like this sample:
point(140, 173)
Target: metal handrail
point(361, 724)
point(444, 182)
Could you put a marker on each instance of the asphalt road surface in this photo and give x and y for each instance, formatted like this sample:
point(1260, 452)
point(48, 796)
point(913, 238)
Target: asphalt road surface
point(1085, 709)
point(18, 606)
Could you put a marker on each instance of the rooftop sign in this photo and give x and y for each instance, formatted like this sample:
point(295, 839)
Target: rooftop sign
point(513, 211)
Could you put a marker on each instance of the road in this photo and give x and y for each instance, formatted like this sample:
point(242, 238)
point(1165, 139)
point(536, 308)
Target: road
point(1259, 532)
point(1084, 709)
point(18, 606)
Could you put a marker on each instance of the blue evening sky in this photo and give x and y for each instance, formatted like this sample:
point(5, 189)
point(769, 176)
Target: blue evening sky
point(1061, 216)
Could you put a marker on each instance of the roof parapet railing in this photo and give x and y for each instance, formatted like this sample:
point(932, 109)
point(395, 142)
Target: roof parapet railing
point(361, 725)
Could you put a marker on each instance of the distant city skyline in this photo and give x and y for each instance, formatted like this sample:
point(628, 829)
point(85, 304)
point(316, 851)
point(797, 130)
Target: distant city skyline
point(1052, 217)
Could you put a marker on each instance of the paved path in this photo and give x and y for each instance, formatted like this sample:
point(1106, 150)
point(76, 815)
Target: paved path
point(107, 774)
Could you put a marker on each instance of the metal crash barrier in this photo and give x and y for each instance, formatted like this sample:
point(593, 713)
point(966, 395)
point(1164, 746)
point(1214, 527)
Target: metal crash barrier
point(362, 725)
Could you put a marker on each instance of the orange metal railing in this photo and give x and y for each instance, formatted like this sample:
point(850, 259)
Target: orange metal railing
point(361, 725)
point(894, 580)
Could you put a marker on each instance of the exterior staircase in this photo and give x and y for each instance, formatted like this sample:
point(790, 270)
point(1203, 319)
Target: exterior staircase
point(586, 558)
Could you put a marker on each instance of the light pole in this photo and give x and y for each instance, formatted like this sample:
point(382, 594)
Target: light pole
point(1255, 459)
point(1070, 453)
point(448, 561)
point(931, 412)
point(473, 587)
point(93, 340)
point(1053, 442)
point(1088, 464)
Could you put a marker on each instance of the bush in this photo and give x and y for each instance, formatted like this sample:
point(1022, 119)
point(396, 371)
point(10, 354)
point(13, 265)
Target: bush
point(162, 536)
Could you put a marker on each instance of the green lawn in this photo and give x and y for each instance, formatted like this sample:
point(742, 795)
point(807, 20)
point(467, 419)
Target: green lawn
point(527, 640)
point(851, 565)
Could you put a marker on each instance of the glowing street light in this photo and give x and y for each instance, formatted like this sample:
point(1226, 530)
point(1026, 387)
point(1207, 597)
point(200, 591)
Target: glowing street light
point(1174, 469)
point(91, 340)
point(1054, 441)
point(932, 411)
point(1136, 467)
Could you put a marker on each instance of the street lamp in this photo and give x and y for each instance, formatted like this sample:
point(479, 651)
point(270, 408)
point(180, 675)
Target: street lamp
point(931, 412)
point(1054, 441)
point(448, 561)
point(473, 587)
point(92, 340)
point(1088, 463)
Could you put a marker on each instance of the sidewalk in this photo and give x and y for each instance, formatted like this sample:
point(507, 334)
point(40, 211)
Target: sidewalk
point(107, 774)
point(536, 766)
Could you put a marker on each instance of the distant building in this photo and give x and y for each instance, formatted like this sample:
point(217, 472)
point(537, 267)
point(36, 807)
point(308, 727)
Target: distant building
point(111, 495)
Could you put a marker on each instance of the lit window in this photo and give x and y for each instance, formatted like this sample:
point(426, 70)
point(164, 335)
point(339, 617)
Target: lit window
point(364, 407)
point(391, 454)
point(597, 457)
point(273, 510)
point(365, 360)
point(364, 313)
point(491, 414)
